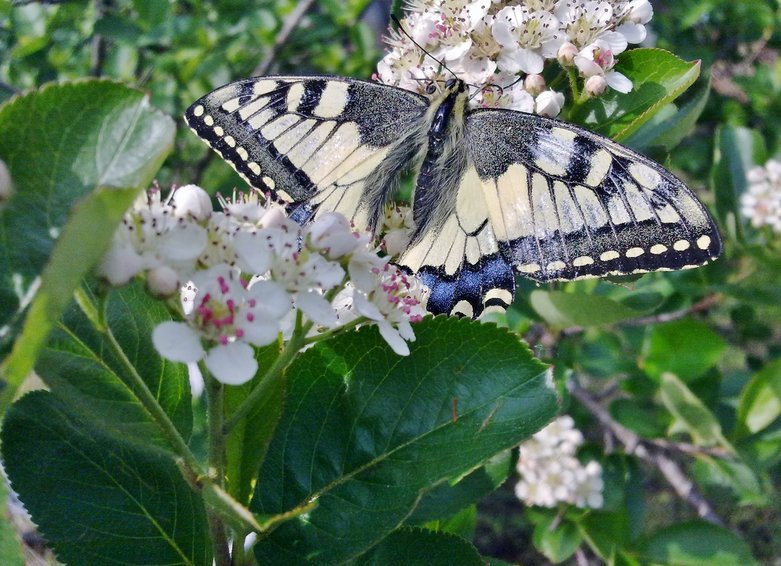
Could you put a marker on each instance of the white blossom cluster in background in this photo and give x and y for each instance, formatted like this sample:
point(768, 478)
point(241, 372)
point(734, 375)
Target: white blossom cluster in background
point(761, 203)
point(500, 47)
point(245, 271)
point(550, 472)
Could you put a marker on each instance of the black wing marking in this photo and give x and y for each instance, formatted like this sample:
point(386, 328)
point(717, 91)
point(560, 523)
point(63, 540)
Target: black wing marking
point(565, 203)
point(319, 142)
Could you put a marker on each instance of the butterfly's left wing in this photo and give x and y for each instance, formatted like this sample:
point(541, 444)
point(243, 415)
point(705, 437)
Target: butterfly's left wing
point(565, 203)
point(316, 143)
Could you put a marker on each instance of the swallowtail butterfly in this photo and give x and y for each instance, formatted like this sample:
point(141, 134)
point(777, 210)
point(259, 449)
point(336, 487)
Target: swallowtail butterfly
point(497, 191)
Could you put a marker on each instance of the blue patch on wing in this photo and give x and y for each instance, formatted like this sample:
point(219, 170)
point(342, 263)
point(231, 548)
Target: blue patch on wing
point(473, 288)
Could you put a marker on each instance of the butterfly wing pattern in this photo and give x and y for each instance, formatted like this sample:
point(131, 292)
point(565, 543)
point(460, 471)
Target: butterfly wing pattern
point(315, 143)
point(498, 192)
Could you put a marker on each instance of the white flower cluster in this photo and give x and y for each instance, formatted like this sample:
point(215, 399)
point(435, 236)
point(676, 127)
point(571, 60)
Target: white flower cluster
point(248, 269)
point(761, 203)
point(550, 472)
point(500, 47)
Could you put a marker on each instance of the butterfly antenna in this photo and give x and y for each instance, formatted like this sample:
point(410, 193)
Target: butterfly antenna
point(419, 46)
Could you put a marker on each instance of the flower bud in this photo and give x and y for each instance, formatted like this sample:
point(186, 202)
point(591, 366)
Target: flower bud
point(163, 281)
point(566, 54)
point(534, 84)
point(595, 85)
point(192, 201)
point(5, 182)
point(549, 103)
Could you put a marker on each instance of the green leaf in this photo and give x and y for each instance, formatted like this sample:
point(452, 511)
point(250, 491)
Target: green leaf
point(645, 418)
point(667, 128)
point(462, 523)
point(737, 149)
point(562, 309)
point(247, 442)
point(77, 153)
point(732, 475)
point(447, 499)
point(691, 413)
point(421, 547)
point(760, 401)
point(365, 432)
point(81, 367)
point(695, 543)
point(607, 533)
point(687, 348)
point(556, 541)
point(658, 77)
point(96, 499)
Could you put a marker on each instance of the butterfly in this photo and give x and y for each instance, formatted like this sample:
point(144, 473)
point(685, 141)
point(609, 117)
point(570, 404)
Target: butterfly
point(498, 192)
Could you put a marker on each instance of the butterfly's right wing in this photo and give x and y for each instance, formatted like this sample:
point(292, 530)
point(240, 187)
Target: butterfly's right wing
point(317, 143)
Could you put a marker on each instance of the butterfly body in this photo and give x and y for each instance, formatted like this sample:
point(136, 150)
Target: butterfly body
point(498, 192)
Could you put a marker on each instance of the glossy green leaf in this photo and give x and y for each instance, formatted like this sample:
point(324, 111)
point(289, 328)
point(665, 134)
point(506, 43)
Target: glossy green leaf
point(421, 547)
point(687, 348)
point(658, 77)
point(248, 440)
point(447, 499)
point(607, 533)
point(732, 475)
point(579, 309)
point(691, 413)
point(96, 499)
point(670, 125)
point(364, 432)
point(737, 149)
point(77, 154)
point(462, 523)
point(82, 368)
point(760, 401)
point(695, 543)
point(556, 539)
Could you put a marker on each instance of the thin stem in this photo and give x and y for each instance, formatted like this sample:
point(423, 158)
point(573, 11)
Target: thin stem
point(290, 24)
point(149, 402)
point(270, 377)
point(330, 333)
point(215, 400)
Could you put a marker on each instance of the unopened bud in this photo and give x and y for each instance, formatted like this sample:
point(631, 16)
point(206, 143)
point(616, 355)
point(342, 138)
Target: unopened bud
point(549, 103)
point(192, 201)
point(595, 85)
point(5, 182)
point(534, 84)
point(566, 54)
point(162, 281)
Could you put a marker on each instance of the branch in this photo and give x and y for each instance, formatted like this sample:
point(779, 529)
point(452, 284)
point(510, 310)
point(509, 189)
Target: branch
point(702, 305)
point(290, 24)
point(654, 455)
point(98, 47)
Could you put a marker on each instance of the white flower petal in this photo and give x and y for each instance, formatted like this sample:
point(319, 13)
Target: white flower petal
point(618, 82)
point(260, 332)
point(183, 242)
point(634, 33)
point(530, 61)
point(615, 40)
point(272, 299)
point(232, 363)
point(365, 307)
point(253, 255)
point(316, 308)
point(120, 264)
point(177, 342)
point(393, 338)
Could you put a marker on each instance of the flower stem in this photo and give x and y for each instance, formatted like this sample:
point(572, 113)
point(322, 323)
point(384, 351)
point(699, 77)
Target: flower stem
point(338, 330)
point(153, 408)
point(273, 373)
point(215, 402)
